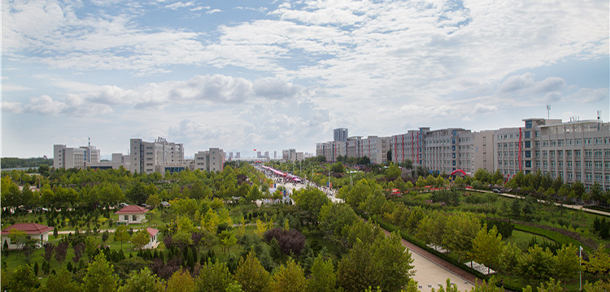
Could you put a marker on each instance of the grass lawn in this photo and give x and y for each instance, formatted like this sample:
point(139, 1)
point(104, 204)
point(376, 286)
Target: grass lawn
point(522, 238)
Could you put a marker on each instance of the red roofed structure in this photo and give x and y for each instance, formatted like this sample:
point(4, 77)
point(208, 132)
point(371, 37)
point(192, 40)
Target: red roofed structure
point(131, 214)
point(152, 232)
point(37, 232)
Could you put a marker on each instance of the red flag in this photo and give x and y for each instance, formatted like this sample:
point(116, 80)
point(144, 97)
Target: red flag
point(254, 149)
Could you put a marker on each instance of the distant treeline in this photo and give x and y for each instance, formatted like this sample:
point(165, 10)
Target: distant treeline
point(14, 162)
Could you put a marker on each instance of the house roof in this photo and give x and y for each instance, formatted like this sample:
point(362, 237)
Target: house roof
point(132, 209)
point(28, 228)
point(152, 231)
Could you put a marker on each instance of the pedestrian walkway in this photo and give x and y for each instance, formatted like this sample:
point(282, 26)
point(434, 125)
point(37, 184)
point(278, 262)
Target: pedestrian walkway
point(430, 270)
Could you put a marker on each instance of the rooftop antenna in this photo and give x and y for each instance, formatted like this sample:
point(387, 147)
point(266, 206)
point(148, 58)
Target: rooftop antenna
point(548, 111)
point(599, 113)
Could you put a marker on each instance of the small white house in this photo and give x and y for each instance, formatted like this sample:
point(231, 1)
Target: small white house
point(38, 232)
point(132, 214)
point(152, 233)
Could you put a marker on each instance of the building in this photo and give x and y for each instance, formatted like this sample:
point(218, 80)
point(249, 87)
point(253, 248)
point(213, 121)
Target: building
point(331, 150)
point(376, 148)
point(37, 232)
point(340, 135)
point(576, 151)
point(66, 158)
point(237, 155)
point(131, 214)
point(152, 234)
point(158, 156)
point(211, 160)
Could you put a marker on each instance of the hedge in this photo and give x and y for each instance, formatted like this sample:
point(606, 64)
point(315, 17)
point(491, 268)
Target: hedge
point(555, 236)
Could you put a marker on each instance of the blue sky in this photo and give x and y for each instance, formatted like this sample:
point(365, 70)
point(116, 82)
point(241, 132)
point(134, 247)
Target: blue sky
point(274, 75)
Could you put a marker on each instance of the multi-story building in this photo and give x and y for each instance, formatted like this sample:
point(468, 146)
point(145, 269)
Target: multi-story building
point(331, 150)
point(158, 156)
point(408, 146)
point(376, 148)
point(65, 157)
point(354, 147)
point(340, 135)
point(211, 160)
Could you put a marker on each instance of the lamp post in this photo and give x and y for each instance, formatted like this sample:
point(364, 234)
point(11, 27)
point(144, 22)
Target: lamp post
point(580, 265)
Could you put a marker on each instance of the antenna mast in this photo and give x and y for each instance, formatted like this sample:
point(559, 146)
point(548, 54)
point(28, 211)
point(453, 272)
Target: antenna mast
point(548, 111)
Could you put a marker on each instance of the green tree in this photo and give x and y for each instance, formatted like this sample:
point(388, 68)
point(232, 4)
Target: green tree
point(100, 276)
point(568, 263)
point(121, 234)
point(140, 239)
point(143, 281)
point(251, 275)
point(599, 262)
point(213, 277)
point(509, 259)
point(288, 278)
point(181, 281)
point(21, 279)
point(153, 201)
point(323, 277)
point(227, 239)
point(550, 286)
point(393, 172)
point(461, 229)
point(537, 264)
point(487, 247)
point(336, 218)
point(61, 282)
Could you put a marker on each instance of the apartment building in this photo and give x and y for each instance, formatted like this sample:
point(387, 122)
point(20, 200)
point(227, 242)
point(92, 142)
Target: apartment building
point(158, 156)
point(340, 135)
point(331, 150)
point(408, 146)
point(376, 148)
point(211, 160)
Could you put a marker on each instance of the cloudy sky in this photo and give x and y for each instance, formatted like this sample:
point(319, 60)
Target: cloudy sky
point(274, 75)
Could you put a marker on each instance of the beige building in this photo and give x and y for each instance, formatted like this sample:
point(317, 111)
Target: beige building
point(376, 148)
point(331, 150)
point(211, 160)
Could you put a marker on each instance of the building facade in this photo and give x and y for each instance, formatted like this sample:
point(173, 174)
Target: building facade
point(211, 160)
point(158, 156)
point(66, 157)
point(340, 135)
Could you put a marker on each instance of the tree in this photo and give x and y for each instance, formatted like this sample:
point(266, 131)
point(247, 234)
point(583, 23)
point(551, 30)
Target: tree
point(251, 275)
point(228, 239)
point(310, 199)
point(537, 264)
point(323, 277)
point(21, 279)
point(140, 239)
point(18, 237)
point(153, 201)
point(138, 193)
point(143, 281)
point(337, 167)
point(181, 281)
point(336, 218)
point(213, 277)
point(121, 234)
point(355, 270)
point(509, 259)
point(487, 246)
point(100, 276)
point(599, 262)
point(393, 172)
point(288, 278)
point(61, 282)
point(568, 263)
point(61, 251)
point(461, 229)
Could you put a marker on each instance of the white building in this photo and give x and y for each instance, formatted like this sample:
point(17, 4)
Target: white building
point(211, 160)
point(157, 156)
point(66, 158)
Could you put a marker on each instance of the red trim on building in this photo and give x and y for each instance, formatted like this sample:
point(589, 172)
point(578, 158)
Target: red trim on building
point(519, 154)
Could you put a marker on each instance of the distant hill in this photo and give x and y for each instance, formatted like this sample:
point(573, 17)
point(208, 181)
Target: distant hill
point(14, 162)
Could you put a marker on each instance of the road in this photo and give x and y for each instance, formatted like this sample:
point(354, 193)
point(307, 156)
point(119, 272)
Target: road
point(430, 270)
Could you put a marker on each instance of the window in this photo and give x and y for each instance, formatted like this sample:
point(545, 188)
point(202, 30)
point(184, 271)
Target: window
point(528, 163)
point(528, 124)
point(134, 218)
point(126, 217)
point(528, 154)
point(527, 134)
point(559, 143)
point(528, 144)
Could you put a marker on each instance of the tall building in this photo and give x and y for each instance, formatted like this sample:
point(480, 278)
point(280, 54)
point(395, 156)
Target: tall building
point(211, 160)
point(66, 158)
point(331, 150)
point(158, 156)
point(237, 155)
point(376, 148)
point(340, 135)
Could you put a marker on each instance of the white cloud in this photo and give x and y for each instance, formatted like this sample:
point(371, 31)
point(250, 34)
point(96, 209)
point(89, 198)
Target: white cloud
point(45, 105)
point(590, 95)
point(480, 108)
point(14, 107)
point(177, 5)
point(213, 11)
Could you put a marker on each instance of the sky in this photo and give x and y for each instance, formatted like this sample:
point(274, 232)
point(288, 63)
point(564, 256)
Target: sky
point(272, 75)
